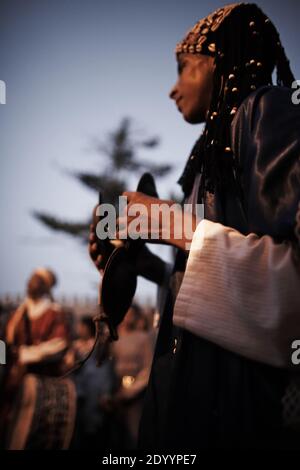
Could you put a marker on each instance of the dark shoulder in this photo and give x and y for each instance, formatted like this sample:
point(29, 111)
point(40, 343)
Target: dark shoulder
point(267, 118)
point(265, 141)
point(271, 102)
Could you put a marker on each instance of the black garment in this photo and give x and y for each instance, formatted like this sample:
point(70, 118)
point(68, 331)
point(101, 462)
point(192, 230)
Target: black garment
point(202, 396)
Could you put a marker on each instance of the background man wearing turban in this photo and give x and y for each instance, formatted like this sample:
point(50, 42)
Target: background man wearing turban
point(39, 409)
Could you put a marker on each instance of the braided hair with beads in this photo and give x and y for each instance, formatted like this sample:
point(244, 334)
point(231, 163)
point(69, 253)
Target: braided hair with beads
point(246, 47)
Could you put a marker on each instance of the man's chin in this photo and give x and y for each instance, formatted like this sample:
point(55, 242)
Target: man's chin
point(192, 118)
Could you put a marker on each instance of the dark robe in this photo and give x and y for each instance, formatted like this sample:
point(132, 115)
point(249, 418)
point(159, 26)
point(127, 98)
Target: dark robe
point(201, 396)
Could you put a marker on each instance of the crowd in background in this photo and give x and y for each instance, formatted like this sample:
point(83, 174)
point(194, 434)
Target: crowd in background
point(44, 406)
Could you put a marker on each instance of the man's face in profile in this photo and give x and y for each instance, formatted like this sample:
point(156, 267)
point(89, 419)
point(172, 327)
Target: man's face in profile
point(193, 89)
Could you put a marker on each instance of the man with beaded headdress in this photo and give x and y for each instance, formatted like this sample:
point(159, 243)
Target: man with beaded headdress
point(220, 370)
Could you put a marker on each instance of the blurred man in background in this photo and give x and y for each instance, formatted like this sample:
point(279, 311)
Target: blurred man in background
point(37, 338)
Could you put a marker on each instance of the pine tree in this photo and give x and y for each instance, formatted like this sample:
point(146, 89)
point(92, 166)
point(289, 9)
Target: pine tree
point(121, 151)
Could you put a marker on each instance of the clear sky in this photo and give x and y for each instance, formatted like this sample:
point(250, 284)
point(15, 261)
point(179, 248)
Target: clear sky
point(73, 70)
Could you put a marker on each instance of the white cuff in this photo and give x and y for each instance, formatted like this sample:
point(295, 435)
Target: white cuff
point(242, 293)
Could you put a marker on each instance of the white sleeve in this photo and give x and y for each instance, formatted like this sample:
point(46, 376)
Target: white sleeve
point(242, 293)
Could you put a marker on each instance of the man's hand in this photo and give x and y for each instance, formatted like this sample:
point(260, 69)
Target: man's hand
point(148, 265)
point(99, 251)
point(156, 221)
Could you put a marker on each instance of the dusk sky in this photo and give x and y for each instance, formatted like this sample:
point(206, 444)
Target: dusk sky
point(73, 70)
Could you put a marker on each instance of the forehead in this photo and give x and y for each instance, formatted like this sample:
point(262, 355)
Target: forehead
point(185, 56)
point(195, 60)
point(35, 278)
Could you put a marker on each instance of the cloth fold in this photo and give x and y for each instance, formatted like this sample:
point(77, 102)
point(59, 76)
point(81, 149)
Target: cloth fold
point(242, 293)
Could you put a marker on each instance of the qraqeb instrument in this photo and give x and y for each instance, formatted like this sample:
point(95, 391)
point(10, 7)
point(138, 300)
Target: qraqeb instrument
point(120, 275)
point(118, 285)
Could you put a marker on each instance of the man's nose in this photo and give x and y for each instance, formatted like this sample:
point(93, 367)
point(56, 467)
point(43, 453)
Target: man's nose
point(173, 92)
